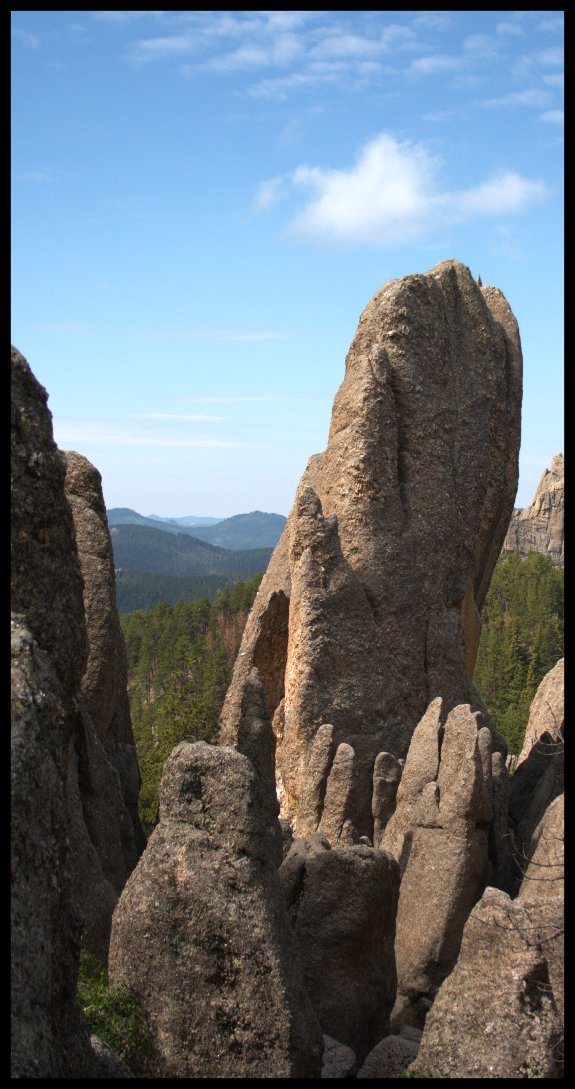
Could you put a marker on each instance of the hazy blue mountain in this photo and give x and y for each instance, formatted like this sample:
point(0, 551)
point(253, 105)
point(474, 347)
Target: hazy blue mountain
point(254, 530)
point(240, 532)
point(123, 516)
point(141, 548)
point(189, 520)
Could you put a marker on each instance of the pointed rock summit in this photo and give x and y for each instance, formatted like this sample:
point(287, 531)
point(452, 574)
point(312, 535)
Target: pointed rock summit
point(540, 527)
point(369, 607)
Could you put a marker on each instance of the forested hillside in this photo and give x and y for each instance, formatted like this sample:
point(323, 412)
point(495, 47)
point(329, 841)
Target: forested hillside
point(521, 640)
point(139, 590)
point(140, 548)
point(180, 661)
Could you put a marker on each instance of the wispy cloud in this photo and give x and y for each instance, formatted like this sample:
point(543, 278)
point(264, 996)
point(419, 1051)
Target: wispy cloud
point(122, 17)
point(64, 328)
point(533, 96)
point(392, 194)
point(231, 400)
point(554, 117)
point(31, 41)
point(204, 332)
point(185, 417)
point(433, 64)
point(77, 433)
point(555, 79)
point(554, 24)
point(514, 29)
point(553, 57)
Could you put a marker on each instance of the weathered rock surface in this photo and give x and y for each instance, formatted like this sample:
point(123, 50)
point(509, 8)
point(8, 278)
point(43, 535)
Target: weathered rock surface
point(540, 527)
point(201, 934)
point(494, 1016)
point(439, 836)
point(369, 607)
point(539, 775)
point(105, 832)
point(50, 1038)
point(342, 904)
point(389, 1058)
point(542, 888)
point(339, 1061)
point(547, 710)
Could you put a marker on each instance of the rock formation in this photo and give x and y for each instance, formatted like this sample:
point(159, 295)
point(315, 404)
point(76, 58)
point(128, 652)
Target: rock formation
point(539, 776)
point(369, 607)
point(547, 711)
point(50, 1038)
point(439, 836)
point(495, 1015)
point(104, 779)
point(540, 527)
point(201, 934)
point(342, 904)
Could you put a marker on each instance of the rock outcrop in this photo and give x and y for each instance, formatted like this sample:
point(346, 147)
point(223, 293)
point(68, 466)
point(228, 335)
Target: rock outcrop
point(495, 1015)
point(50, 1038)
point(546, 715)
point(439, 835)
point(201, 934)
point(103, 778)
point(369, 608)
point(342, 904)
point(539, 776)
point(540, 527)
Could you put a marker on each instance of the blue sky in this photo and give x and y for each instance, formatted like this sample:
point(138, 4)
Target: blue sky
point(204, 202)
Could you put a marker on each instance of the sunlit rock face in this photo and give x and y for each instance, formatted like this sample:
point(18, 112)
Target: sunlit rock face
point(541, 526)
point(369, 608)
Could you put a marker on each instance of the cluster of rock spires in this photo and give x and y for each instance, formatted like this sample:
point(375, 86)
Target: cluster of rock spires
point(540, 527)
point(349, 881)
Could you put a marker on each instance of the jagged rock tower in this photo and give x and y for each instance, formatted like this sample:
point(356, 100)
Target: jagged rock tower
point(369, 607)
point(540, 527)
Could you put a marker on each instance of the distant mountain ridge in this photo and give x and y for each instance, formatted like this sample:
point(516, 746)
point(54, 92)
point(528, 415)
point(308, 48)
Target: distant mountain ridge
point(141, 548)
point(257, 529)
point(189, 520)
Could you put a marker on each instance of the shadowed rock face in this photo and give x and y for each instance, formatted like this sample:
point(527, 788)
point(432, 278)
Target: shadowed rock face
point(104, 778)
point(495, 1015)
point(50, 1038)
point(342, 906)
point(369, 607)
point(541, 527)
point(201, 933)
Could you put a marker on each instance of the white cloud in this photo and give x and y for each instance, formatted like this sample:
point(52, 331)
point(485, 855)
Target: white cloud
point(553, 24)
point(534, 96)
point(122, 17)
point(510, 28)
point(434, 63)
point(391, 195)
point(271, 192)
point(554, 117)
point(503, 194)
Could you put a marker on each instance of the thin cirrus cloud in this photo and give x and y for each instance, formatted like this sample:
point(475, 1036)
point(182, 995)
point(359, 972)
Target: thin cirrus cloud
point(183, 416)
point(204, 332)
point(391, 195)
point(71, 432)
